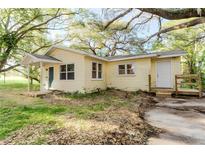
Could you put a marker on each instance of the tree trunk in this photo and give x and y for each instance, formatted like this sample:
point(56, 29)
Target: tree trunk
point(31, 81)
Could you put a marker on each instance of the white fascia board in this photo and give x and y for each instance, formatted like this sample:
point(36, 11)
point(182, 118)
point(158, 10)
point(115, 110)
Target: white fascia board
point(135, 57)
point(49, 61)
point(36, 60)
point(27, 56)
point(96, 57)
point(174, 55)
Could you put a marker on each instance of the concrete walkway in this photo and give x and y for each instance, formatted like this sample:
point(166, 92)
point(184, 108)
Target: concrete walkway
point(182, 121)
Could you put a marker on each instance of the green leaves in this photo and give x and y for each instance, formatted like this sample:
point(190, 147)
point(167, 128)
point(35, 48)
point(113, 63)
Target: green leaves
point(8, 40)
point(29, 30)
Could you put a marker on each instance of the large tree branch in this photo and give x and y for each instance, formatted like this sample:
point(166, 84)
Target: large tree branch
point(174, 14)
point(33, 19)
point(131, 20)
point(35, 27)
point(9, 68)
point(179, 26)
point(26, 75)
point(118, 17)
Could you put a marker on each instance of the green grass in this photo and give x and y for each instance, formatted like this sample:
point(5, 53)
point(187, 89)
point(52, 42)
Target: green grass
point(15, 114)
point(78, 95)
point(86, 111)
point(16, 117)
point(18, 111)
point(15, 85)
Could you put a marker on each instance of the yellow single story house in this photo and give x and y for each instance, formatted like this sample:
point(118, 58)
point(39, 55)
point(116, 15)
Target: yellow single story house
point(73, 70)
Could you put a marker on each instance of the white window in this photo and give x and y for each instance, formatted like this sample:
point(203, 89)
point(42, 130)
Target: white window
point(126, 69)
point(96, 70)
point(67, 72)
point(62, 72)
point(70, 72)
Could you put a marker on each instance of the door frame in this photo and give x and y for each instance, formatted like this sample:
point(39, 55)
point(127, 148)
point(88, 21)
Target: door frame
point(49, 85)
point(156, 65)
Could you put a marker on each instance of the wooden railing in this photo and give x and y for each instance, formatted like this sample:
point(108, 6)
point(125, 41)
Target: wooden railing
point(192, 80)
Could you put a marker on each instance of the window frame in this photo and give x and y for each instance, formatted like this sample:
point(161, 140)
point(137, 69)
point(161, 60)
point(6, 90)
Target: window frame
point(66, 71)
point(126, 74)
point(97, 70)
point(63, 72)
point(70, 71)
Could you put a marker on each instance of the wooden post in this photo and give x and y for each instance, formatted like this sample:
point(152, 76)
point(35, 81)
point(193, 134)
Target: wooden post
point(4, 77)
point(41, 76)
point(176, 85)
point(28, 73)
point(200, 85)
point(149, 78)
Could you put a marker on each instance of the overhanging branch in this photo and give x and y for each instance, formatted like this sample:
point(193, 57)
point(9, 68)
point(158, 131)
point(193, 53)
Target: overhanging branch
point(176, 27)
point(117, 17)
point(10, 68)
point(175, 14)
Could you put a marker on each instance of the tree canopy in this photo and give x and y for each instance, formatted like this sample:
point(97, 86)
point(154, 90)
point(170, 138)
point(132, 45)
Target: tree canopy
point(26, 30)
point(186, 40)
point(87, 33)
point(105, 32)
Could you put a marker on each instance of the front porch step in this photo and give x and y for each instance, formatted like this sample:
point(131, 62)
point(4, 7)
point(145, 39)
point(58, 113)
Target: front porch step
point(163, 94)
point(163, 90)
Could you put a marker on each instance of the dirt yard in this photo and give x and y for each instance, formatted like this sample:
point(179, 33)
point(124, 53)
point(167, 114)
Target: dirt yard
point(106, 117)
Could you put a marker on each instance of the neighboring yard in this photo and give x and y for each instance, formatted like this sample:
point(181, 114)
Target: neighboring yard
point(107, 117)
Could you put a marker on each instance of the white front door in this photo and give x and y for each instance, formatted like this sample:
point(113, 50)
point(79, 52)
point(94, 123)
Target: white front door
point(163, 74)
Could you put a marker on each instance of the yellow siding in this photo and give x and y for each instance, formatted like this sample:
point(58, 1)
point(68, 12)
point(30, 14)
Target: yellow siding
point(175, 69)
point(93, 84)
point(67, 85)
point(129, 82)
point(83, 73)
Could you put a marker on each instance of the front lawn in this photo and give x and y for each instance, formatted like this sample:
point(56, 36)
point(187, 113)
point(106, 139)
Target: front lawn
point(107, 117)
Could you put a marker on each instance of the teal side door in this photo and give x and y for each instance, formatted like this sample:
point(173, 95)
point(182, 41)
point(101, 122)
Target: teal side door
point(51, 76)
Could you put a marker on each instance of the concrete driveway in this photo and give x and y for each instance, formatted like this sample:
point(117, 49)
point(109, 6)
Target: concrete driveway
point(182, 121)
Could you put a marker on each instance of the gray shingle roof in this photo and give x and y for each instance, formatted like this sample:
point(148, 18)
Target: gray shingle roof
point(123, 56)
point(119, 57)
point(45, 57)
point(162, 53)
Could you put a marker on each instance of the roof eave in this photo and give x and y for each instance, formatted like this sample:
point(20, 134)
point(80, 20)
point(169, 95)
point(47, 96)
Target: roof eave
point(174, 55)
point(97, 57)
point(75, 51)
point(134, 57)
point(38, 60)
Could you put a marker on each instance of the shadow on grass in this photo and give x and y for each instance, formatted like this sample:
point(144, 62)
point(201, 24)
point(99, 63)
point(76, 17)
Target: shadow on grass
point(17, 85)
point(17, 117)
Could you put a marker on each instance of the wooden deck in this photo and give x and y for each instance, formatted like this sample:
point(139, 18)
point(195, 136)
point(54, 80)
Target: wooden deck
point(194, 81)
point(163, 92)
point(188, 91)
point(188, 79)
